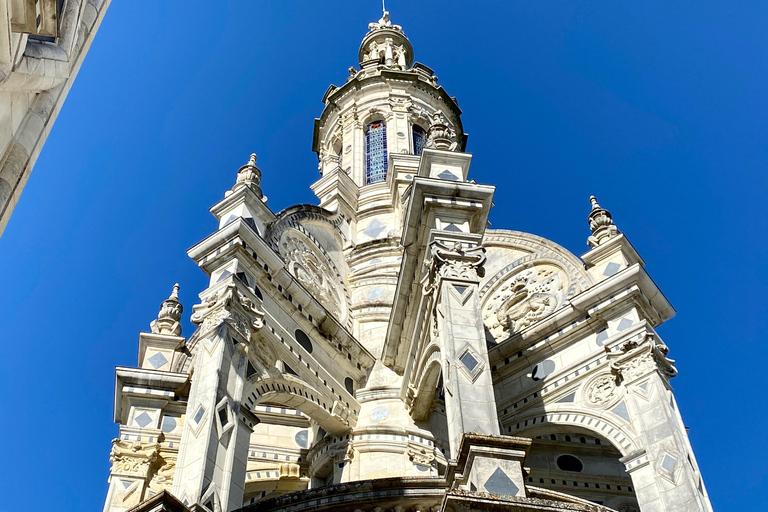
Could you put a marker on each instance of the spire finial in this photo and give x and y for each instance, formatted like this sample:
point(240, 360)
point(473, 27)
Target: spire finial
point(601, 224)
point(249, 176)
point(169, 316)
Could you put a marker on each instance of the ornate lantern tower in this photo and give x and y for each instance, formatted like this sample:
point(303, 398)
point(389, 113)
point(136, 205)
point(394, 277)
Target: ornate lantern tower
point(386, 351)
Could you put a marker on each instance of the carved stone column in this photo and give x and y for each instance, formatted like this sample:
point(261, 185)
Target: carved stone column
point(214, 444)
point(455, 268)
point(663, 470)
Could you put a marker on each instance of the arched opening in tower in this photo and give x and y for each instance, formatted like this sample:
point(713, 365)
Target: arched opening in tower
point(580, 463)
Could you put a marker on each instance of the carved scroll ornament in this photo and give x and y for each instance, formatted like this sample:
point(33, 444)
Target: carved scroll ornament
point(454, 262)
point(132, 458)
point(231, 306)
point(638, 358)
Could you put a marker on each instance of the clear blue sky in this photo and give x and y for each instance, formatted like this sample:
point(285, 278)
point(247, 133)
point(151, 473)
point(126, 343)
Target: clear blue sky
point(658, 108)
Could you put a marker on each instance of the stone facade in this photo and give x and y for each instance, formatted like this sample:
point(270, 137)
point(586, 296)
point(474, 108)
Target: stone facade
point(385, 351)
point(42, 45)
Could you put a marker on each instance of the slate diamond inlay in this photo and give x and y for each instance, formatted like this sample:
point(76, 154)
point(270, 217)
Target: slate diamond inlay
point(126, 483)
point(601, 337)
point(448, 175)
point(611, 269)
point(669, 463)
point(500, 483)
point(199, 414)
point(375, 228)
point(143, 419)
point(452, 227)
point(625, 324)
point(469, 361)
point(460, 289)
point(157, 360)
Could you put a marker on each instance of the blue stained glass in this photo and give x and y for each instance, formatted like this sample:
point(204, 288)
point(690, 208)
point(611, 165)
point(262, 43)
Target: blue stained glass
point(376, 152)
point(419, 138)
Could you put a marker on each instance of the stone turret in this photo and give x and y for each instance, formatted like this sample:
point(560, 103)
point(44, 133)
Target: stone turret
point(169, 318)
point(601, 224)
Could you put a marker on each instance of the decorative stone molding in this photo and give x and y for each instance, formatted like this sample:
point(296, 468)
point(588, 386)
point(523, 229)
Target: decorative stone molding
point(313, 270)
point(132, 458)
point(231, 306)
point(637, 359)
point(522, 300)
point(452, 262)
point(602, 391)
point(440, 135)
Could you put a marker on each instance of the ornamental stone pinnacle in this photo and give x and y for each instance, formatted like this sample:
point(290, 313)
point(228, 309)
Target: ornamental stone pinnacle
point(601, 224)
point(249, 176)
point(169, 316)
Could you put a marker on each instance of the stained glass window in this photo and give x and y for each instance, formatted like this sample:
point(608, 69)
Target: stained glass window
point(419, 138)
point(376, 152)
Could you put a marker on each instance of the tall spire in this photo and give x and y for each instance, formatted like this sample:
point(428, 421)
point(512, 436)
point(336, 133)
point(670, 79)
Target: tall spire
point(169, 316)
point(601, 224)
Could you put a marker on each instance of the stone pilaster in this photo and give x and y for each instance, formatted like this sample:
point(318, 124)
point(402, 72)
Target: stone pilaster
point(455, 269)
point(214, 444)
point(664, 470)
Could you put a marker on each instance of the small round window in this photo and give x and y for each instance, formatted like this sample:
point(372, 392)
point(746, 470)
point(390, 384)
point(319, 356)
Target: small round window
point(569, 463)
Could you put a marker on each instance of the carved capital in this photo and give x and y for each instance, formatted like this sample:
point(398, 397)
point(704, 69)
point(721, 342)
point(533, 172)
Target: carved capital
point(132, 458)
point(638, 358)
point(452, 261)
point(232, 307)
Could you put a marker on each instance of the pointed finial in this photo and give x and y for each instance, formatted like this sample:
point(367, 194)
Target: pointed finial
point(169, 316)
point(249, 176)
point(601, 224)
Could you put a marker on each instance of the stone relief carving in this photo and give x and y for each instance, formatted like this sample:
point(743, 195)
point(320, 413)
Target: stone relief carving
point(162, 480)
point(228, 305)
point(420, 455)
point(312, 270)
point(452, 261)
point(522, 300)
point(638, 358)
point(602, 391)
point(132, 458)
point(440, 135)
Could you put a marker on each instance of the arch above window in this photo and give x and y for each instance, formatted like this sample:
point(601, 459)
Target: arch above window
point(375, 152)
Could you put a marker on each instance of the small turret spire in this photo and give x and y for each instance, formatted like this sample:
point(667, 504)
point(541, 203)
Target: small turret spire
point(601, 224)
point(169, 317)
point(249, 176)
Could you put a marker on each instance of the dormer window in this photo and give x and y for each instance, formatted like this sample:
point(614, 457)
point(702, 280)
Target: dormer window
point(419, 139)
point(375, 152)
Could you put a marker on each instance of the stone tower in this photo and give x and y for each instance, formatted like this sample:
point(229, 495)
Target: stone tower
point(386, 351)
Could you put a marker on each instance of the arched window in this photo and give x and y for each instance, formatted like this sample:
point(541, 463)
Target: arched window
point(419, 139)
point(375, 152)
